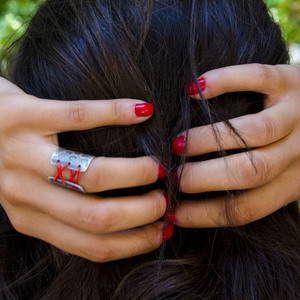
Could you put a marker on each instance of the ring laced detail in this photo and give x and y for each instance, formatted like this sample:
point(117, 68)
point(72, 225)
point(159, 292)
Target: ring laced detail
point(74, 177)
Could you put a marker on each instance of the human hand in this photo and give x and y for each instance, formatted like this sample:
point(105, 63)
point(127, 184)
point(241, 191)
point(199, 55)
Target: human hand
point(274, 132)
point(81, 224)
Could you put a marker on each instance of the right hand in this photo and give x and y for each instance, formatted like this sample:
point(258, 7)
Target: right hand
point(270, 179)
point(84, 225)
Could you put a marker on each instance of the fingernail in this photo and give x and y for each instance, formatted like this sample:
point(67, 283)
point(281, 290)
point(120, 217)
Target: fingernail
point(169, 232)
point(144, 109)
point(192, 89)
point(161, 172)
point(172, 217)
point(178, 145)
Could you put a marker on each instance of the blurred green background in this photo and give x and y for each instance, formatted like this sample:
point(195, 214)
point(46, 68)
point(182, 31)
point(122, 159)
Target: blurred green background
point(15, 13)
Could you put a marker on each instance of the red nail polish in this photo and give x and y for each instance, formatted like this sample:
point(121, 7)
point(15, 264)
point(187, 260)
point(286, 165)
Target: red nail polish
point(144, 109)
point(169, 232)
point(161, 172)
point(178, 145)
point(172, 217)
point(192, 89)
point(202, 83)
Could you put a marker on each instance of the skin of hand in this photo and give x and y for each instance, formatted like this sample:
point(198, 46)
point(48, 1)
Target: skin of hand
point(273, 132)
point(98, 229)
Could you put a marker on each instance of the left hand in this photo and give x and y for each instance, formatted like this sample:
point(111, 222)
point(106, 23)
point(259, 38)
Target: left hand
point(99, 229)
point(274, 132)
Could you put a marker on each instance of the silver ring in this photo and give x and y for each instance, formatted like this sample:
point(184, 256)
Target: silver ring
point(73, 161)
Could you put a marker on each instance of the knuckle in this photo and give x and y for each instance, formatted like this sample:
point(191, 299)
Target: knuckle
point(117, 111)
point(262, 169)
point(244, 170)
point(98, 220)
point(265, 127)
point(99, 253)
point(243, 214)
point(78, 112)
point(261, 72)
point(252, 171)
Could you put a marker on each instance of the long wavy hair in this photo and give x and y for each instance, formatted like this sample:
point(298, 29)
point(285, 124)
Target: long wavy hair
point(146, 49)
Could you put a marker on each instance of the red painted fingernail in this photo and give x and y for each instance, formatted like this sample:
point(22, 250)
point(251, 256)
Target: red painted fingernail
point(144, 109)
point(192, 89)
point(172, 217)
point(178, 145)
point(202, 84)
point(169, 232)
point(161, 172)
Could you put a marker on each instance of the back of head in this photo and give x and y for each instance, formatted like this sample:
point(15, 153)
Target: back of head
point(150, 50)
point(145, 50)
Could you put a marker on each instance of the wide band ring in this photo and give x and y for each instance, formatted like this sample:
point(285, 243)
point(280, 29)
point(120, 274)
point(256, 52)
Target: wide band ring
point(75, 162)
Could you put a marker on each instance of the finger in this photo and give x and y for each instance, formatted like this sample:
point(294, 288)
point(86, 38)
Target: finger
point(235, 172)
point(113, 173)
point(265, 79)
point(88, 212)
point(110, 214)
point(98, 248)
point(103, 173)
point(256, 130)
point(244, 208)
point(58, 116)
point(120, 245)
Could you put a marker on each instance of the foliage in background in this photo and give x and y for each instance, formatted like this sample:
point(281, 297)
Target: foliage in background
point(287, 14)
point(15, 13)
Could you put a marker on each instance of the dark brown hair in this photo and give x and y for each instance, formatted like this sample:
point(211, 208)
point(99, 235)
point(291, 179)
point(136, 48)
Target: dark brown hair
point(97, 49)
